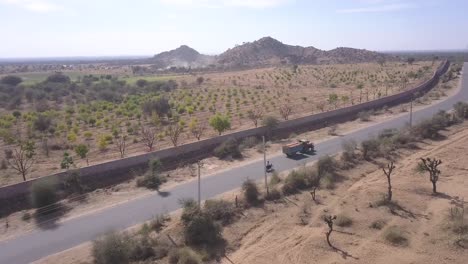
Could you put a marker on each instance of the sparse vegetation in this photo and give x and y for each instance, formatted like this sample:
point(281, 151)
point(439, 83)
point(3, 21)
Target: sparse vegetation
point(396, 236)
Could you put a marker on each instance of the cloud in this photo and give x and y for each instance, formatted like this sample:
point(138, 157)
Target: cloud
point(40, 6)
point(377, 8)
point(259, 4)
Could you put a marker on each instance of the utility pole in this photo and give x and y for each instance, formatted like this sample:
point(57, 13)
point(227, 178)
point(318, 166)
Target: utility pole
point(264, 165)
point(411, 111)
point(199, 165)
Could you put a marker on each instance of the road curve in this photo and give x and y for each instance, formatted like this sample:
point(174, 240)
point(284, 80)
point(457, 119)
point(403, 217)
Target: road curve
point(38, 244)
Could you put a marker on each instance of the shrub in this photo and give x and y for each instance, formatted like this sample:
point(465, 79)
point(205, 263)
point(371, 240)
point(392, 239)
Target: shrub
point(249, 142)
point(378, 224)
point(202, 230)
point(327, 181)
point(250, 191)
point(229, 148)
point(295, 181)
point(44, 192)
point(395, 236)
point(273, 195)
point(369, 148)
point(220, 210)
point(158, 222)
point(184, 255)
point(326, 164)
point(343, 220)
point(151, 181)
point(113, 248)
point(189, 210)
point(364, 116)
point(461, 109)
point(140, 248)
point(275, 179)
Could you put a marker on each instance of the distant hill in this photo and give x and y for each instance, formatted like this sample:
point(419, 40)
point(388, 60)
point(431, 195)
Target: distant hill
point(269, 51)
point(183, 56)
point(266, 51)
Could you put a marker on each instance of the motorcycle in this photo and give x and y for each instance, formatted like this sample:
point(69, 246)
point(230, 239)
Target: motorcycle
point(269, 168)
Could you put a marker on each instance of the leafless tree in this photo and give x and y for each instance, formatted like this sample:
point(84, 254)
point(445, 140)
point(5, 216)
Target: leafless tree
point(23, 158)
point(255, 115)
point(329, 220)
point(174, 130)
point(285, 111)
point(388, 172)
point(148, 135)
point(121, 143)
point(430, 165)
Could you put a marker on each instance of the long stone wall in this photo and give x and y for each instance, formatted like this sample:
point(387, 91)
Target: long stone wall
point(119, 170)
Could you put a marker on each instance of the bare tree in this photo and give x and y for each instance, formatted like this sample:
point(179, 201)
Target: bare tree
point(430, 165)
point(197, 128)
point(255, 115)
point(388, 172)
point(121, 143)
point(23, 158)
point(174, 130)
point(329, 220)
point(285, 111)
point(148, 135)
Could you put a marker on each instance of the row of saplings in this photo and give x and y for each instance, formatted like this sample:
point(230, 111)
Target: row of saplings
point(202, 225)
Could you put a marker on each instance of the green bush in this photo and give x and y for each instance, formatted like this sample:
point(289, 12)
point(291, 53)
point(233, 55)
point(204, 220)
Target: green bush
point(249, 142)
point(202, 230)
point(250, 191)
point(189, 210)
point(140, 248)
point(343, 220)
point(275, 179)
point(184, 255)
point(151, 181)
point(328, 181)
point(112, 248)
point(370, 148)
point(364, 116)
point(395, 236)
point(378, 224)
point(295, 181)
point(229, 148)
point(273, 195)
point(44, 192)
point(461, 110)
point(326, 164)
point(220, 210)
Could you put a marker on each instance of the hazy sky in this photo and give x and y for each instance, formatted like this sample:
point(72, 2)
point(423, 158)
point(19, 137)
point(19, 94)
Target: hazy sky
point(41, 28)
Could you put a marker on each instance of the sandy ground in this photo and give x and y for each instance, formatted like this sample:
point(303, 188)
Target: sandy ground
point(103, 198)
point(293, 231)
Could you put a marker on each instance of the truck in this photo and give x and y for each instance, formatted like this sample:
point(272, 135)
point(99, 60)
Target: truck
point(302, 146)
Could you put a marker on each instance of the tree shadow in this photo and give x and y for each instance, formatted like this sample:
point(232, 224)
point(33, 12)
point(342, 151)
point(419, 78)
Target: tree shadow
point(344, 254)
point(164, 193)
point(298, 156)
point(48, 218)
point(396, 209)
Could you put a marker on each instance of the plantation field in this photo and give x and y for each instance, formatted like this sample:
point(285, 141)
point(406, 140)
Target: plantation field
point(106, 113)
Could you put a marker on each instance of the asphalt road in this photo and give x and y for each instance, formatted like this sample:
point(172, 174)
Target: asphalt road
point(43, 242)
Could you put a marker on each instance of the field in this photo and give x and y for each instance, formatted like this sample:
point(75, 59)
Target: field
point(104, 111)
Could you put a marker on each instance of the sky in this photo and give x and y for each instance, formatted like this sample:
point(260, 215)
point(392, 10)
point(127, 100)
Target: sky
point(63, 28)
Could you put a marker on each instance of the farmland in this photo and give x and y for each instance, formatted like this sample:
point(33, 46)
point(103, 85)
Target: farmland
point(114, 115)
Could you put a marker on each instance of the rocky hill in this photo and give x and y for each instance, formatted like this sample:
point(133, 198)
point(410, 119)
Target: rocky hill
point(183, 56)
point(266, 51)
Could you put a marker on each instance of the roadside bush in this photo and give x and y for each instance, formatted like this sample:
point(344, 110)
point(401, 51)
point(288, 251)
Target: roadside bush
point(461, 110)
point(295, 181)
point(326, 164)
point(140, 248)
point(112, 248)
point(189, 210)
point(343, 220)
point(349, 152)
point(220, 210)
point(44, 192)
point(202, 230)
point(184, 255)
point(369, 148)
point(158, 222)
point(395, 236)
point(229, 148)
point(249, 142)
point(250, 191)
point(275, 179)
point(273, 195)
point(364, 116)
point(151, 181)
point(327, 181)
